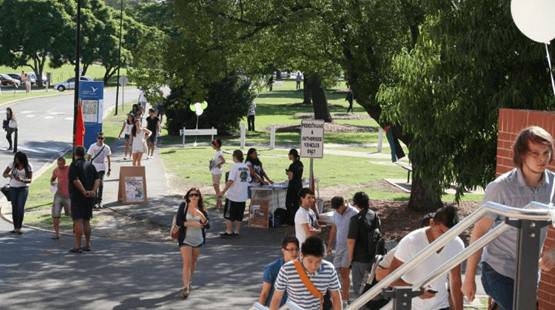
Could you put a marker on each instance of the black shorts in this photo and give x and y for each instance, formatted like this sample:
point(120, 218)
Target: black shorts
point(80, 212)
point(234, 211)
point(152, 138)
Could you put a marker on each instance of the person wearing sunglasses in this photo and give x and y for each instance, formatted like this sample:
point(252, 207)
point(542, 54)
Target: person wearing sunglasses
point(192, 220)
point(98, 154)
point(290, 251)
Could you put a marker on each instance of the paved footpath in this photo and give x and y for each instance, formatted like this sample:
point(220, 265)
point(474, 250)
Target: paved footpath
point(38, 273)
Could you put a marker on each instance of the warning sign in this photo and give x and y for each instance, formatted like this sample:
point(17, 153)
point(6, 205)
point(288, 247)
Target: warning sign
point(312, 138)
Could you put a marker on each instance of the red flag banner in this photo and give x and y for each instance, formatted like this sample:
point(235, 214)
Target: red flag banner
point(79, 126)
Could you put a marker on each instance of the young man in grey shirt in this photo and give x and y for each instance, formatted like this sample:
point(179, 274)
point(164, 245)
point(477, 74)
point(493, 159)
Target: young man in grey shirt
point(529, 181)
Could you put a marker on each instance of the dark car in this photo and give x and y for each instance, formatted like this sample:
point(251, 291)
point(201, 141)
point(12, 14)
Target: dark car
point(7, 80)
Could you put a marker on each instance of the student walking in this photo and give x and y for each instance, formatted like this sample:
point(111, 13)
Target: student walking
point(251, 115)
point(20, 173)
point(83, 186)
point(338, 235)
point(26, 81)
point(435, 296)
point(307, 279)
point(138, 142)
point(289, 251)
point(216, 170)
point(192, 220)
point(152, 124)
point(10, 126)
point(236, 187)
point(362, 240)
point(530, 180)
point(306, 221)
point(350, 98)
point(126, 131)
point(298, 79)
point(98, 154)
point(295, 175)
point(61, 197)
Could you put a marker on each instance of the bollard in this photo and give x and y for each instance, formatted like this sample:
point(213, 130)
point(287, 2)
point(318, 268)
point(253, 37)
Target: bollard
point(273, 137)
point(380, 139)
point(243, 135)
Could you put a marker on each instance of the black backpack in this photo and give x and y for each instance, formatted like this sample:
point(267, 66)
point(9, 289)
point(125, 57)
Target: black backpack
point(376, 242)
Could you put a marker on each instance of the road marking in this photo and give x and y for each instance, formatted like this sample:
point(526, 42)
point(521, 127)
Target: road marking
point(26, 112)
point(30, 115)
point(56, 113)
point(49, 117)
point(68, 118)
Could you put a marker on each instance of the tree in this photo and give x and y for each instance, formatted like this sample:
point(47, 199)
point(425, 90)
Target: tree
point(21, 44)
point(447, 90)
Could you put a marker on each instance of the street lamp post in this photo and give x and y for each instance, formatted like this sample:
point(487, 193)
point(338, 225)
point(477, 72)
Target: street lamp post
point(77, 65)
point(119, 53)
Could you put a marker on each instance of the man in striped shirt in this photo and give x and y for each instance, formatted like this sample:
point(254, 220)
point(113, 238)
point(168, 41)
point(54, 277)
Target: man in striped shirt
point(320, 272)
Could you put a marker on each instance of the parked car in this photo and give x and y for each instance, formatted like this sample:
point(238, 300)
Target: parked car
point(15, 76)
point(70, 83)
point(33, 78)
point(7, 80)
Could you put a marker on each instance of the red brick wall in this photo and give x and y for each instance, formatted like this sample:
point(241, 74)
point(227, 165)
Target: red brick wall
point(510, 123)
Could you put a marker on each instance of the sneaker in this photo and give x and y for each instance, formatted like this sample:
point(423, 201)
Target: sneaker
point(235, 235)
point(186, 292)
point(226, 235)
point(75, 251)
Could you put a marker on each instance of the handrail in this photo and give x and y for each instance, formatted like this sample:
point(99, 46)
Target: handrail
point(531, 212)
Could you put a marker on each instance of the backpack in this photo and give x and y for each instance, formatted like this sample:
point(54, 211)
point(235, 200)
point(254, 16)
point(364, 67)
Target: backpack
point(376, 242)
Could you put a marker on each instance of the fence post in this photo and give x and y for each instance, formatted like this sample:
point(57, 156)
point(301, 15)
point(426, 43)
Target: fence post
point(183, 135)
point(243, 135)
point(528, 254)
point(273, 137)
point(380, 139)
point(401, 297)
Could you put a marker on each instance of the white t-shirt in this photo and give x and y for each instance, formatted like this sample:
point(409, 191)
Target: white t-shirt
point(407, 249)
point(216, 161)
point(100, 161)
point(19, 173)
point(128, 128)
point(239, 191)
point(304, 216)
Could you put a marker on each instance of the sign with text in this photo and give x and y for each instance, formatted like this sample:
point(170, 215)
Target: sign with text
point(91, 96)
point(312, 138)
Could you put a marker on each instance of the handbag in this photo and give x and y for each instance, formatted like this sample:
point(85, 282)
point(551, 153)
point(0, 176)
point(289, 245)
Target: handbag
point(174, 230)
point(6, 191)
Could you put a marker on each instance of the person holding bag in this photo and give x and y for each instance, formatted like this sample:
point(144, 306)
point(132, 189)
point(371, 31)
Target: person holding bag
point(191, 222)
point(21, 175)
point(138, 144)
point(307, 280)
point(10, 126)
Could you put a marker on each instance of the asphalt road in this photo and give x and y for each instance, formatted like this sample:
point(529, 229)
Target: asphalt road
point(45, 126)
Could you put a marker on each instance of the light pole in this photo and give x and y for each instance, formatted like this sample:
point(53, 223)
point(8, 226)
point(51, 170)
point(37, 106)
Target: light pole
point(119, 52)
point(77, 73)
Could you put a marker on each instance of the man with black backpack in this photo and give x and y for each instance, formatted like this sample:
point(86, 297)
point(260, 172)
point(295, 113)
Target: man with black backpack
point(363, 241)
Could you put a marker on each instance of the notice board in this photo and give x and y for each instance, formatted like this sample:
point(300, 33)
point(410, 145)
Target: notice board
point(132, 185)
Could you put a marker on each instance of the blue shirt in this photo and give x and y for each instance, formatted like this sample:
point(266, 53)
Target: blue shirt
point(271, 272)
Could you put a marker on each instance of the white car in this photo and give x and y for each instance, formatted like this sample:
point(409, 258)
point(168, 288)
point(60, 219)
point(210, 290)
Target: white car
point(70, 83)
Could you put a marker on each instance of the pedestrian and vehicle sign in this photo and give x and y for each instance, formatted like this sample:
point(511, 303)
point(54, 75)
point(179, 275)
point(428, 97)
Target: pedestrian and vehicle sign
point(312, 138)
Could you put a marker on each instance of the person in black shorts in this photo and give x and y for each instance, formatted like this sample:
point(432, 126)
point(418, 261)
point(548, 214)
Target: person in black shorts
point(152, 124)
point(83, 184)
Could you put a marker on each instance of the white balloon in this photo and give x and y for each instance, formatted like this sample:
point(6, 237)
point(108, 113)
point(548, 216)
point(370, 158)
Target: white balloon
point(535, 18)
point(198, 109)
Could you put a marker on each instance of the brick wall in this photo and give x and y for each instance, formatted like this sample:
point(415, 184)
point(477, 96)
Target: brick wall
point(510, 123)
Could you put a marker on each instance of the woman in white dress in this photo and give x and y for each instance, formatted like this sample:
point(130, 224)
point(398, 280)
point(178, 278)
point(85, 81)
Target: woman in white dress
point(138, 144)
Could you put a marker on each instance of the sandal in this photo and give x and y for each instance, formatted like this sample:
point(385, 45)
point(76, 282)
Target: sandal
point(86, 248)
point(55, 237)
point(226, 235)
point(75, 251)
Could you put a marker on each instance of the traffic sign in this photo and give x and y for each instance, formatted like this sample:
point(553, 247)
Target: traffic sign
point(312, 138)
point(123, 80)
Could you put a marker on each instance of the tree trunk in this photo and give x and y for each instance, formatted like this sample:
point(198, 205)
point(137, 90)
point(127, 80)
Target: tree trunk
point(319, 101)
point(85, 68)
point(423, 197)
point(306, 91)
point(110, 71)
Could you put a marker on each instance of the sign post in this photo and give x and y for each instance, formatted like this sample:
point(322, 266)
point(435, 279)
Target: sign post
point(91, 96)
point(312, 143)
point(123, 81)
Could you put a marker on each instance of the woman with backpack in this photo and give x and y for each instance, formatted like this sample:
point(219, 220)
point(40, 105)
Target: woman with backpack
point(192, 221)
point(20, 174)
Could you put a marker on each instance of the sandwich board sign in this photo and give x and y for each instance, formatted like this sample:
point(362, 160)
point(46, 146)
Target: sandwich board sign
point(312, 138)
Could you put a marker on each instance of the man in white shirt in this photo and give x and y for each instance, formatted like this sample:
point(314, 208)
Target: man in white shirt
point(99, 153)
point(236, 188)
point(306, 222)
point(436, 296)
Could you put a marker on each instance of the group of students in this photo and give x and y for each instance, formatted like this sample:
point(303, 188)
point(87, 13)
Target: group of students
point(313, 283)
point(138, 139)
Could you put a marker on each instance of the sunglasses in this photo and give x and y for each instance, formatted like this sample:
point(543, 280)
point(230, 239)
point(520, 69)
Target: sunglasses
point(194, 195)
point(100, 138)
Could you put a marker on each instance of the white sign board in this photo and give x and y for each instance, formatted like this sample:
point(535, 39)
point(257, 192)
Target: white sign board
point(312, 138)
point(123, 80)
